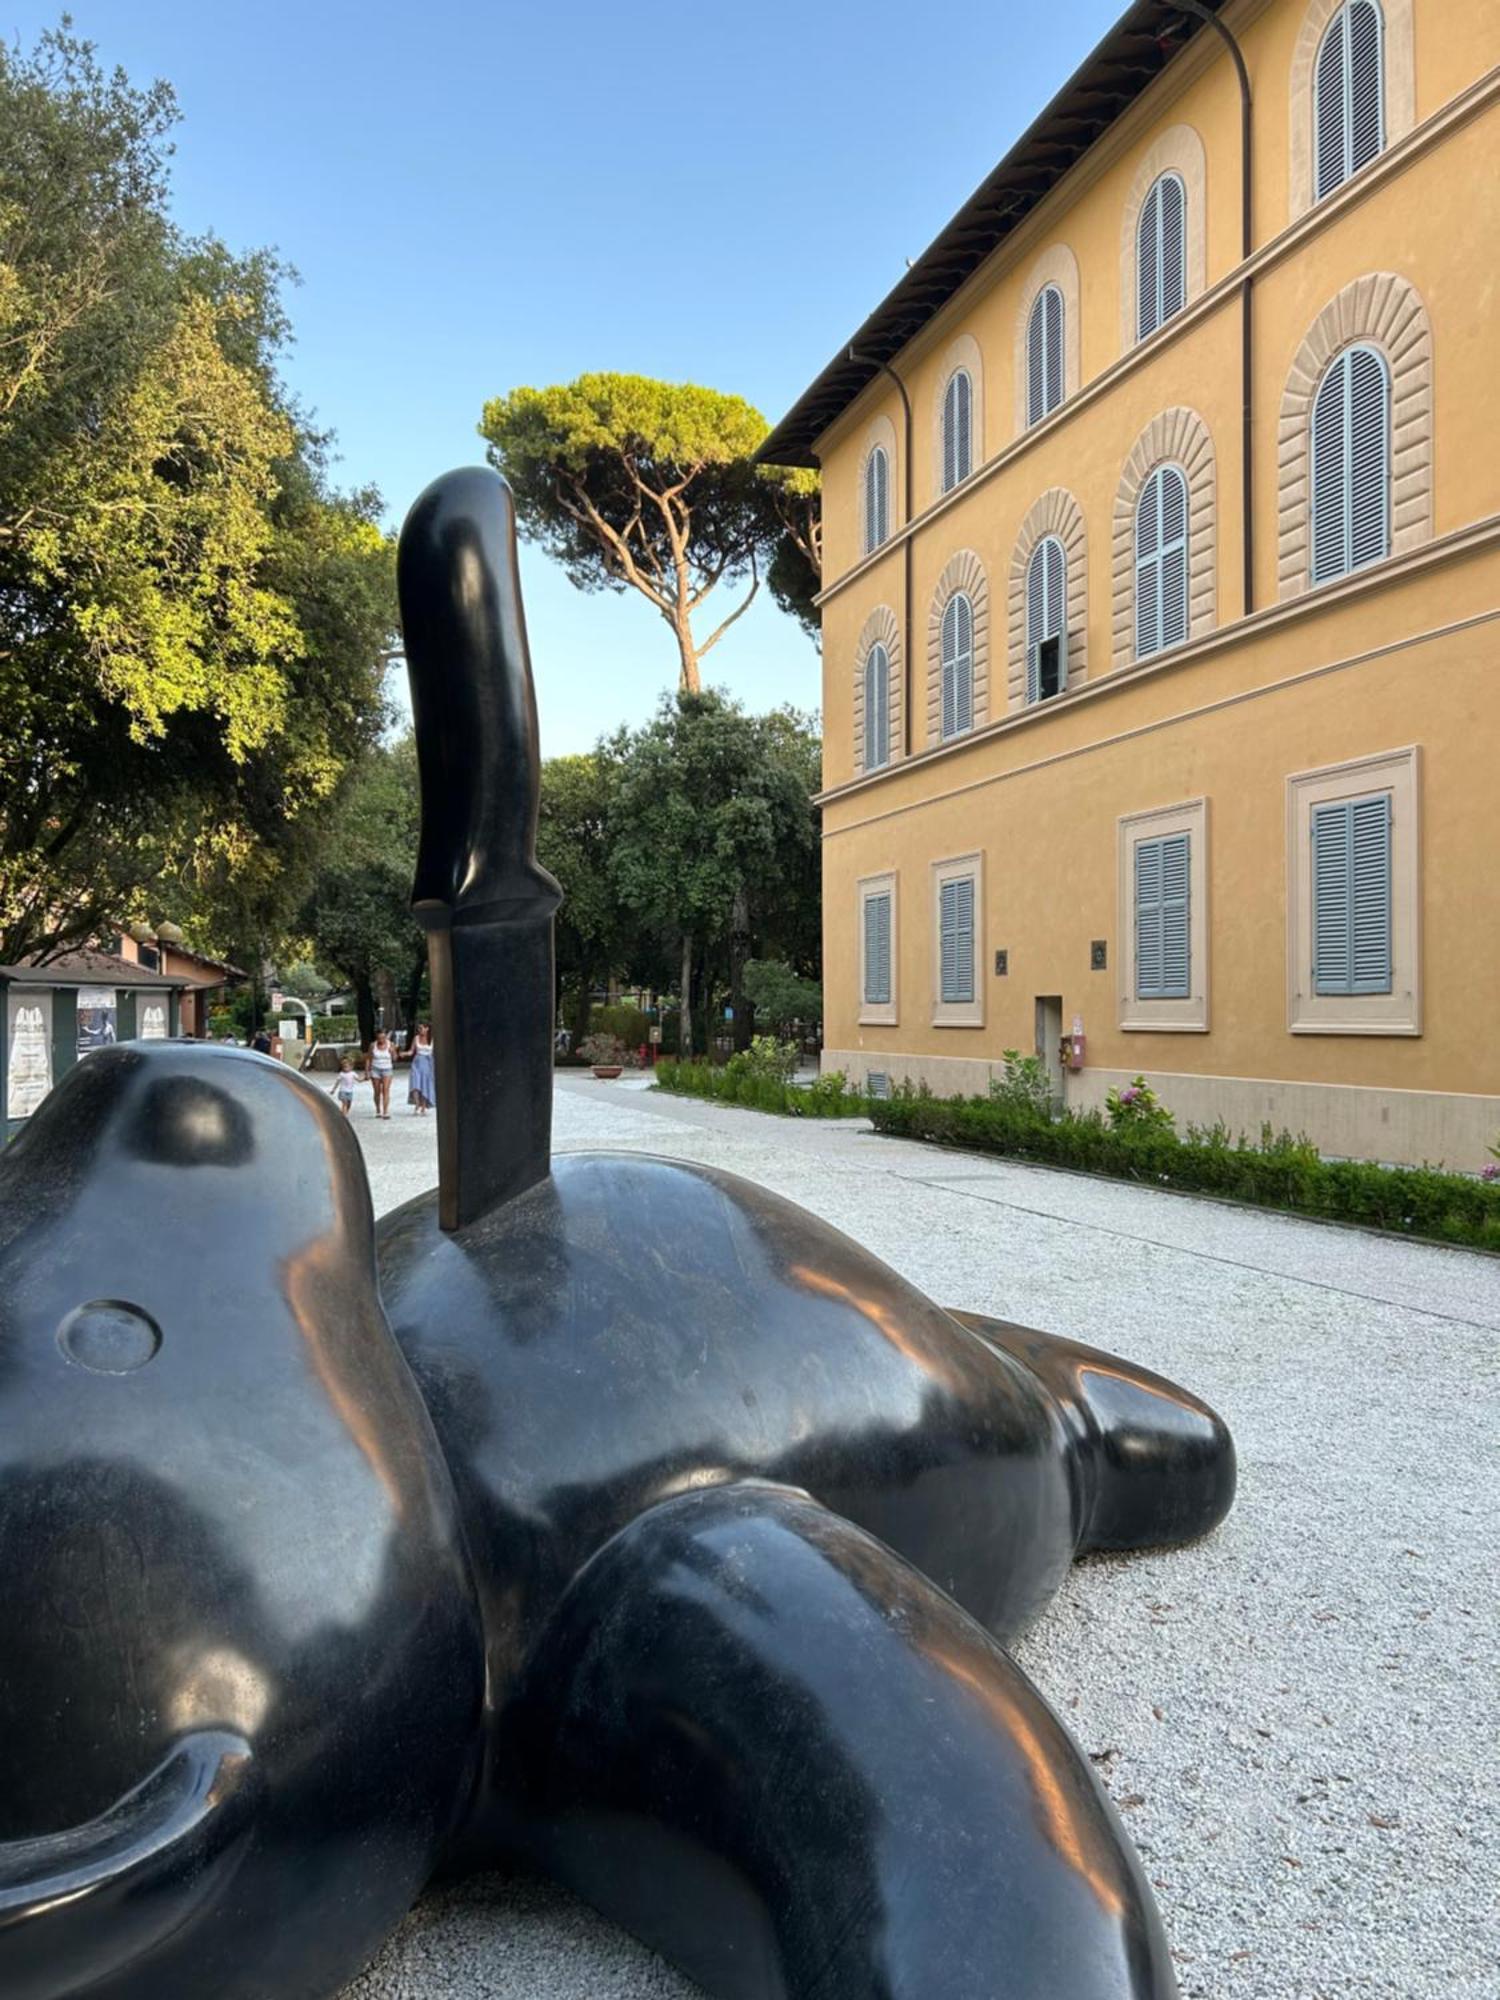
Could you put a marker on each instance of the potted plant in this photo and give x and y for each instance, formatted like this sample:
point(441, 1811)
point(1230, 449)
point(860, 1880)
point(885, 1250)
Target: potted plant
point(606, 1054)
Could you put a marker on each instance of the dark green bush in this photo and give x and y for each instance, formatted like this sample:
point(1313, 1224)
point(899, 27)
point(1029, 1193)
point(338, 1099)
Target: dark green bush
point(1274, 1171)
point(627, 1024)
point(335, 1028)
point(739, 1082)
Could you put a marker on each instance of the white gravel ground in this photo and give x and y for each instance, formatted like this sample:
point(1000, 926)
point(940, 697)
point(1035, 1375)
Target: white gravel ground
point(1297, 1717)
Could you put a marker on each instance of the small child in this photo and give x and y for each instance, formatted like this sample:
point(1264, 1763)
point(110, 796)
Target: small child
point(343, 1085)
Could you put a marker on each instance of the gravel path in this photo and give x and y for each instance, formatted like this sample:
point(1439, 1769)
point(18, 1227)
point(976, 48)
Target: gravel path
point(1296, 1717)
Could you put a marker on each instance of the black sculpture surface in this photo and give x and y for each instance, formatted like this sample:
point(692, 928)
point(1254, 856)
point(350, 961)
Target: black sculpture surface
point(689, 1583)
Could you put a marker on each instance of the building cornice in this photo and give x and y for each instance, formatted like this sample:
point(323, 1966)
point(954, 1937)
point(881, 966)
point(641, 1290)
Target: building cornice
point(1396, 160)
point(1477, 538)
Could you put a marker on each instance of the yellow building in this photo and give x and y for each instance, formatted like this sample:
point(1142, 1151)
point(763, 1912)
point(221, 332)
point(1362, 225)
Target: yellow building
point(1161, 592)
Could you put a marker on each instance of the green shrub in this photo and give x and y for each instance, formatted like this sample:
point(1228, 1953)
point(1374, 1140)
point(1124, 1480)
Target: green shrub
point(627, 1024)
point(1277, 1170)
point(1025, 1085)
point(335, 1028)
point(1137, 1108)
point(739, 1082)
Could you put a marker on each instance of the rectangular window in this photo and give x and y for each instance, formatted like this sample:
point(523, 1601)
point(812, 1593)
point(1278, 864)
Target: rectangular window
point(877, 944)
point(1164, 929)
point(1351, 895)
point(956, 946)
point(1163, 902)
point(878, 950)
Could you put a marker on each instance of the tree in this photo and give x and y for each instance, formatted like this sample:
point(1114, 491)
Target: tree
point(780, 996)
point(713, 837)
point(574, 830)
point(651, 486)
point(193, 627)
point(358, 913)
point(794, 501)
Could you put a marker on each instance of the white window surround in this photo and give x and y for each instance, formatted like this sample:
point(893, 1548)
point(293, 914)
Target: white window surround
point(1399, 83)
point(1055, 266)
point(968, 1013)
point(964, 572)
point(1384, 311)
point(962, 352)
point(1187, 1016)
point(886, 1015)
point(881, 628)
point(1398, 1012)
point(1178, 150)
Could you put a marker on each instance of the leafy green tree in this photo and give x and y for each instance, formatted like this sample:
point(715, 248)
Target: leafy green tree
point(358, 912)
point(712, 836)
point(794, 503)
point(780, 996)
point(636, 484)
point(193, 627)
point(574, 831)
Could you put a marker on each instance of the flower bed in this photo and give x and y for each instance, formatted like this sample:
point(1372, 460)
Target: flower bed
point(761, 1088)
point(1275, 1171)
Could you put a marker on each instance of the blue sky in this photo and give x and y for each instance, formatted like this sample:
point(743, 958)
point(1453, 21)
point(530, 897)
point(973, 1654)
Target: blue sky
point(478, 196)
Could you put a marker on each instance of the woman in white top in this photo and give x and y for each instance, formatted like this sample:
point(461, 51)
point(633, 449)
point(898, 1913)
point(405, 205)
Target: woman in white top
point(379, 1065)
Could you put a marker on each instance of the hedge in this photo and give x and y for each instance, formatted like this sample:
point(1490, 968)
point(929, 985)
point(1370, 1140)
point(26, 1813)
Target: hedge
point(1275, 1171)
point(829, 1097)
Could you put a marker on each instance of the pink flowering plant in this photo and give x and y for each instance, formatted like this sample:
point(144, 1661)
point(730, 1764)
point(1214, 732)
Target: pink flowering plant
point(1491, 1171)
point(1137, 1108)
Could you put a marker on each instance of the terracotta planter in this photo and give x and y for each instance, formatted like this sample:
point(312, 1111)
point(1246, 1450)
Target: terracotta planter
point(607, 1072)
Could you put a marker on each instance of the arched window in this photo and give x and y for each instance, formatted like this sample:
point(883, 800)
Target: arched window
point(1161, 255)
point(1351, 426)
point(1044, 355)
point(877, 707)
point(1046, 620)
point(958, 429)
point(1161, 579)
point(877, 498)
point(958, 665)
point(1348, 96)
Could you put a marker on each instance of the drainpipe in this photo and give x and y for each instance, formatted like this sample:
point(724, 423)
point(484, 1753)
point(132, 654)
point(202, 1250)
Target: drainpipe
point(869, 361)
point(1247, 244)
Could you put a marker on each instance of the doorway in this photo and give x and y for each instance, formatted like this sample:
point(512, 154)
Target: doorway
point(1049, 1027)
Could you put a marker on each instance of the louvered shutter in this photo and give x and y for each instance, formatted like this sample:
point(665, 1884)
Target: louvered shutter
point(1044, 354)
point(1329, 88)
point(1351, 465)
point(877, 707)
point(958, 429)
point(1174, 596)
point(1163, 920)
point(1147, 246)
point(1052, 332)
point(958, 665)
point(1148, 570)
point(877, 499)
point(950, 435)
point(1366, 90)
point(1351, 873)
point(1046, 594)
point(878, 951)
point(956, 940)
point(1330, 547)
point(1173, 253)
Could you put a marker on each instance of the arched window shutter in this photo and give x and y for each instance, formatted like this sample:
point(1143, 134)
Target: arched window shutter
point(1044, 354)
point(1351, 465)
point(958, 429)
point(1161, 255)
point(877, 707)
point(1349, 95)
point(877, 499)
point(958, 665)
point(1161, 578)
point(1046, 631)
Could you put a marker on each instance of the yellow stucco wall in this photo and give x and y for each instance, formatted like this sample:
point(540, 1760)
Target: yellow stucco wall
point(1041, 793)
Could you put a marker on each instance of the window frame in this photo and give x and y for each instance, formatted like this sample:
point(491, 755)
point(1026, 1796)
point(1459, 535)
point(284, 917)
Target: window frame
point(1190, 1014)
point(1339, 24)
point(877, 1013)
point(1036, 330)
point(960, 728)
point(1162, 315)
point(1342, 366)
point(959, 375)
point(876, 454)
point(1158, 473)
point(1033, 691)
point(958, 1013)
point(879, 713)
point(1398, 1012)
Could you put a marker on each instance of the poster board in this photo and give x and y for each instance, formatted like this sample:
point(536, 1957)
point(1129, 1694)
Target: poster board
point(98, 1017)
point(153, 1019)
point(28, 1050)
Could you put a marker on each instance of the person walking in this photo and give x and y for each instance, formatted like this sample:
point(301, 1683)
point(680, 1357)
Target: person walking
point(342, 1086)
point(421, 1090)
point(379, 1065)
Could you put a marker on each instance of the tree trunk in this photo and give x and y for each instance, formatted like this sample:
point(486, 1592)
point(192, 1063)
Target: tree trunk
point(739, 951)
point(582, 1008)
point(685, 1016)
point(414, 986)
point(364, 1008)
point(688, 679)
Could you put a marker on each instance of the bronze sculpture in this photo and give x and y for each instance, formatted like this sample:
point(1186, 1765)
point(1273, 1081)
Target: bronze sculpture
point(689, 1583)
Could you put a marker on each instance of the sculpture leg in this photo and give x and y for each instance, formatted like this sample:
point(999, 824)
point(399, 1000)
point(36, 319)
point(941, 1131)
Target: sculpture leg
point(774, 1751)
point(1152, 1463)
